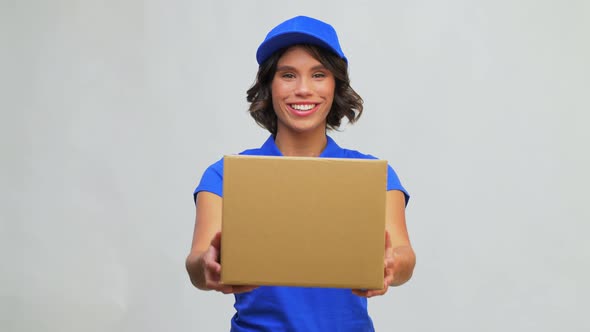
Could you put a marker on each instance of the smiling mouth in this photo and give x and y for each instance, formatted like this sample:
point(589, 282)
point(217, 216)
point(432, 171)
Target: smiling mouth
point(302, 107)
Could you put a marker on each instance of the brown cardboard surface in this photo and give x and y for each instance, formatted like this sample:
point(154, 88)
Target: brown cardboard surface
point(294, 221)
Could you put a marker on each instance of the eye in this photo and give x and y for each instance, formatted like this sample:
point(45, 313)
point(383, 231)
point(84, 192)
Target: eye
point(288, 75)
point(319, 75)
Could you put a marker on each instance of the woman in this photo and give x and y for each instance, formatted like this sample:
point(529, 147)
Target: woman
point(302, 90)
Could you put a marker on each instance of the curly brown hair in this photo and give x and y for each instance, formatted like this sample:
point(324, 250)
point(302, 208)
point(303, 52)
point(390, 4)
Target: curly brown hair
point(347, 103)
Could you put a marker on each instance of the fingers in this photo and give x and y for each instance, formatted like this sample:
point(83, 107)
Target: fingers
point(213, 279)
point(212, 267)
point(211, 260)
point(229, 289)
point(213, 270)
point(371, 292)
point(359, 292)
point(388, 270)
point(388, 261)
point(225, 289)
point(387, 273)
point(213, 283)
point(243, 289)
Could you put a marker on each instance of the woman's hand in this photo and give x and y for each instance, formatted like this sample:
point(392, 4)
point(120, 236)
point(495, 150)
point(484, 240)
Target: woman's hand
point(203, 262)
point(400, 258)
point(388, 272)
point(212, 270)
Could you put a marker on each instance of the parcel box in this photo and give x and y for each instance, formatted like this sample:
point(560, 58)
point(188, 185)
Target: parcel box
point(293, 221)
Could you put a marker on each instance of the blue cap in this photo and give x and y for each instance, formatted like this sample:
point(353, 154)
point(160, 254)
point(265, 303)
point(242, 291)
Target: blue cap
point(299, 30)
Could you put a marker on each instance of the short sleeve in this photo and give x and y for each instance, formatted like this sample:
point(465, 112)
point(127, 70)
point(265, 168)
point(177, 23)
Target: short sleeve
point(212, 180)
point(393, 183)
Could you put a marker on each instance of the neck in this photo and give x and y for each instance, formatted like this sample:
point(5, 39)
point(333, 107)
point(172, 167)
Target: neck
point(301, 144)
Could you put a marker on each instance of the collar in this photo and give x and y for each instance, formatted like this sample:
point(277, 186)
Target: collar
point(332, 150)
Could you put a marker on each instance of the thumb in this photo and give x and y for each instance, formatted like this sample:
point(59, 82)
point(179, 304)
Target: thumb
point(387, 240)
point(216, 241)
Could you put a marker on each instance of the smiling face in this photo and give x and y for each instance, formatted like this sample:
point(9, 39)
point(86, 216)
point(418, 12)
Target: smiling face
point(302, 92)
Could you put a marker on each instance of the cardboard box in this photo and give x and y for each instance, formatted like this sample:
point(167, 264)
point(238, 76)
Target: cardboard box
point(313, 222)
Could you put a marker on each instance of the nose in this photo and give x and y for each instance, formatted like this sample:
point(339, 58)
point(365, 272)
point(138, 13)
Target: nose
point(303, 87)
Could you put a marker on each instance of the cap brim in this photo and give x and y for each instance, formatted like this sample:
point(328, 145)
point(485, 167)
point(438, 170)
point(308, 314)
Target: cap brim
point(280, 41)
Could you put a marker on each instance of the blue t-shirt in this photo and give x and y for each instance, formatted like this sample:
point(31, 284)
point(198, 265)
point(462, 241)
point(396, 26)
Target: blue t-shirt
point(270, 308)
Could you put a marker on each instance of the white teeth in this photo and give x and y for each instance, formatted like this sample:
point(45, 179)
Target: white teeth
point(305, 107)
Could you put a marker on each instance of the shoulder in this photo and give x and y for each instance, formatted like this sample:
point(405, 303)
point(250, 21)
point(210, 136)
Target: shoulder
point(334, 150)
point(217, 167)
point(252, 152)
point(347, 153)
point(212, 178)
point(393, 180)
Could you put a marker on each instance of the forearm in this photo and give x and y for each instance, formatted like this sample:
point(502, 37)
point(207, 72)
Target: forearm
point(405, 260)
point(196, 271)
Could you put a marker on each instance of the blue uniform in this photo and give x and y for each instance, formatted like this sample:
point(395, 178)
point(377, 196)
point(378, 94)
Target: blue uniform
point(270, 308)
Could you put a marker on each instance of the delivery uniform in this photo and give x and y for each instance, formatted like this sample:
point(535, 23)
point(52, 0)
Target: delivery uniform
point(270, 308)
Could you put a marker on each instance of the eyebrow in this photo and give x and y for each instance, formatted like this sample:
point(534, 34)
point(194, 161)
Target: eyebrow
point(291, 68)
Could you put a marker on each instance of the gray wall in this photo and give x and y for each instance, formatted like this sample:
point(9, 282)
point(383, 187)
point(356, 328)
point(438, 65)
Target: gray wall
point(111, 110)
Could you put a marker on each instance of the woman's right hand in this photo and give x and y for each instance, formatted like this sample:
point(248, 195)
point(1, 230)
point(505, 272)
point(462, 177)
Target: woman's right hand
point(212, 270)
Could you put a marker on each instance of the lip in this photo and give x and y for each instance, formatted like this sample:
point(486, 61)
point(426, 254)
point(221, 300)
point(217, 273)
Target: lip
point(300, 113)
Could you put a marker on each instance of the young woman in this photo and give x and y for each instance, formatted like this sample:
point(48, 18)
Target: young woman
point(302, 90)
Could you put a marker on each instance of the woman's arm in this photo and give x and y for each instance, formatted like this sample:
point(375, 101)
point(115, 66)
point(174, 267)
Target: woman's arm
point(402, 254)
point(202, 263)
point(399, 255)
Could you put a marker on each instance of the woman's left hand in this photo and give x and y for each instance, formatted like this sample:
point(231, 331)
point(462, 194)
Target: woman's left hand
point(387, 272)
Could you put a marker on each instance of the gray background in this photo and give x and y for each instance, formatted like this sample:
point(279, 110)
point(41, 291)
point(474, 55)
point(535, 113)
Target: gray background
point(111, 111)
